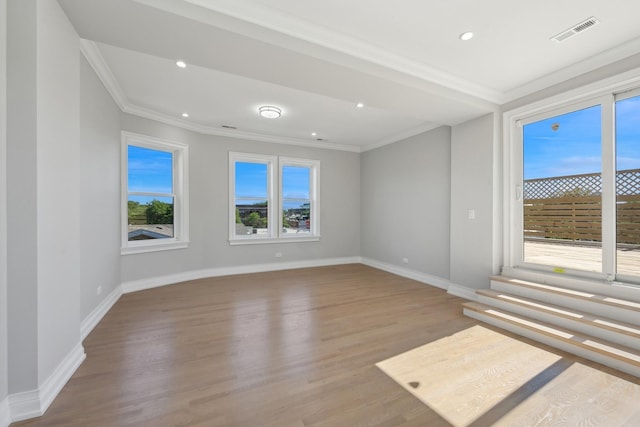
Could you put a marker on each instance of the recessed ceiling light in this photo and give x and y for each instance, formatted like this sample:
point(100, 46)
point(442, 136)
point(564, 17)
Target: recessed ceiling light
point(270, 112)
point(181, 64)
point(313, 134)
point(359, 105)
point(185, 115)
point(466, 36)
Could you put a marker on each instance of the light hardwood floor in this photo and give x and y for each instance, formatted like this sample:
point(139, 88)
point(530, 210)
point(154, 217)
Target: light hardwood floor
point(288, 349)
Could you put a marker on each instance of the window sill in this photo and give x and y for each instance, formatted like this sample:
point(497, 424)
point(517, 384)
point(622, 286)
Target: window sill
point(268, 240)
point(155, 247)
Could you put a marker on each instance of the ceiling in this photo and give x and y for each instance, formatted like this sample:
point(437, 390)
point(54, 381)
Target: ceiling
point(316, 60)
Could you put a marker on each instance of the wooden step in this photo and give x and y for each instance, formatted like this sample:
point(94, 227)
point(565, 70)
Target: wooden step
point(572, 293)
point(614, 308)
point(615, 355)
point(584, 322)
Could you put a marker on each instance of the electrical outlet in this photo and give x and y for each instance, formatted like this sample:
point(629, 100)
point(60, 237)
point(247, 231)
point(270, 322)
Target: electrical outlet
point(278, 254)
point(405, 260)
point(99, 290)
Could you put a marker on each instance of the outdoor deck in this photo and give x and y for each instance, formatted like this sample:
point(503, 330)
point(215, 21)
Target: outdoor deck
point(580, 257)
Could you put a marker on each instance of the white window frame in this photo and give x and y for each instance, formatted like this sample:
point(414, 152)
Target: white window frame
point(269, 161)
point(180, 152)
point(604, 93)
point(275, 201)
point(314, 198)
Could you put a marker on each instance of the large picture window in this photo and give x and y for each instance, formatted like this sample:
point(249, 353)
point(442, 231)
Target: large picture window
point(273, 199)
point(153, 194)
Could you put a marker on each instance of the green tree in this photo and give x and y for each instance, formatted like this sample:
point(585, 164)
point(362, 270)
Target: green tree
point(132, 206)
point(159, 212)
point(253, 220)
point(238, 219)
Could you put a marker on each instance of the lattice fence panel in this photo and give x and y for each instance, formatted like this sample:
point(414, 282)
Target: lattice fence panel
point(627, 182)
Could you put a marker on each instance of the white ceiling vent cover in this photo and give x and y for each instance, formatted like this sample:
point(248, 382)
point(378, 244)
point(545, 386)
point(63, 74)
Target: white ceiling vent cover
point(578, 28)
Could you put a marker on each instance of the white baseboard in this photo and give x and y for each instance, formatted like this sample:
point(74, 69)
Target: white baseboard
point(34, 403)
point(24, 405)
point(428, 279)
point(154, 282)
point(99, 312)
point(463, 292)
point(5, 414)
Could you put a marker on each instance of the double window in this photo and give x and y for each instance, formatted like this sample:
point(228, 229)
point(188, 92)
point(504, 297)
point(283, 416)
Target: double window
point(273, 199)
point(154, 196)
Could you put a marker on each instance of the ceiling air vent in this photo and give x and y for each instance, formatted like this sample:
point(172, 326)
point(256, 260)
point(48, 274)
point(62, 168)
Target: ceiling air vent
point(578, 28)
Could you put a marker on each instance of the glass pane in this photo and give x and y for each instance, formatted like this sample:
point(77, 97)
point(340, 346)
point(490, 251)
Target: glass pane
point(295, 182)
point(252, 217)
point(628, 186)
point(296, 217)
point(150, 217)
point(251, 180)
point(150, 171)
point(562, 191)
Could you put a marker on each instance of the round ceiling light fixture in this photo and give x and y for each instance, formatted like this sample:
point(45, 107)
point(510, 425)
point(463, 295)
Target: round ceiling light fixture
point(181, 64)
point(466, 36)
point(270, 112)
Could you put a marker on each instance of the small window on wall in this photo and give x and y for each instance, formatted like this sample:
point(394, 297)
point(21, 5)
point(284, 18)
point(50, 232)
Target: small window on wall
point(267, 207)
point(154, 208)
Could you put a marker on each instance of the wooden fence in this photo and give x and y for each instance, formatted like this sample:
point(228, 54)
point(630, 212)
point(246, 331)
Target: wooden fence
point(580, 218)
point(572, 208)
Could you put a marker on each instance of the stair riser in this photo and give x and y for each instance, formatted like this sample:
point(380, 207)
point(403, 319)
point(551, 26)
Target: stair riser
point(598, 308)
point(563, 345)
point(582, 327)
point(625, 292)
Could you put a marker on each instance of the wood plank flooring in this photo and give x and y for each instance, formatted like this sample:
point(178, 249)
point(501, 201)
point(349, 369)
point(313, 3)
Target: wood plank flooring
point(586, 258)
point(293, 348)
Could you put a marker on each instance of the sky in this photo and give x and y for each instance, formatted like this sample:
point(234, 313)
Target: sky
point(150, 171)
point(251, 181)
point(574, 146)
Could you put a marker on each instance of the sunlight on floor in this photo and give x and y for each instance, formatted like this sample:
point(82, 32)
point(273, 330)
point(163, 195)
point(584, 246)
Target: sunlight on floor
point(481, 377)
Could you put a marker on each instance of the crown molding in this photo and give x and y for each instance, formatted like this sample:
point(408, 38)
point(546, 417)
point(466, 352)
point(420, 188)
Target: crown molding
point(210, 130)
point(295, 30)
point(602, 59)
point(93, 55)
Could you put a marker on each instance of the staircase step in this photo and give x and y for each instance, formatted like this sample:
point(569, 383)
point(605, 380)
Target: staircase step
point(602, 305)
point(588, 321)
point(603, 299)
point(615, 355)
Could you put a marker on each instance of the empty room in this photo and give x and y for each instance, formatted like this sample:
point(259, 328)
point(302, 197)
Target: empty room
point(343, 213)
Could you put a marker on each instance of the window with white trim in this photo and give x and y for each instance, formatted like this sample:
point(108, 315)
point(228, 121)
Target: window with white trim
point(572, 188)
point(154, 194)
point(273, 199)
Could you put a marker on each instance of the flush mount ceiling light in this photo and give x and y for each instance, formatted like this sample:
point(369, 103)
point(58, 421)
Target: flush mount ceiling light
point(270, 112)
point(181, 64)
point(466, 36)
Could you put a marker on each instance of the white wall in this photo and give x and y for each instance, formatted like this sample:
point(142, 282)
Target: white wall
point(474, 187)
point(208, 194)
point(21, 196)
point(58, 160)
point(405, 203)
point(99, 191)
point(3, 208)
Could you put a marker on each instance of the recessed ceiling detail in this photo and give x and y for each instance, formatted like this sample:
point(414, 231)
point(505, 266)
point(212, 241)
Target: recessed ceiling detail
point(325, 57)
point(576, 29)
